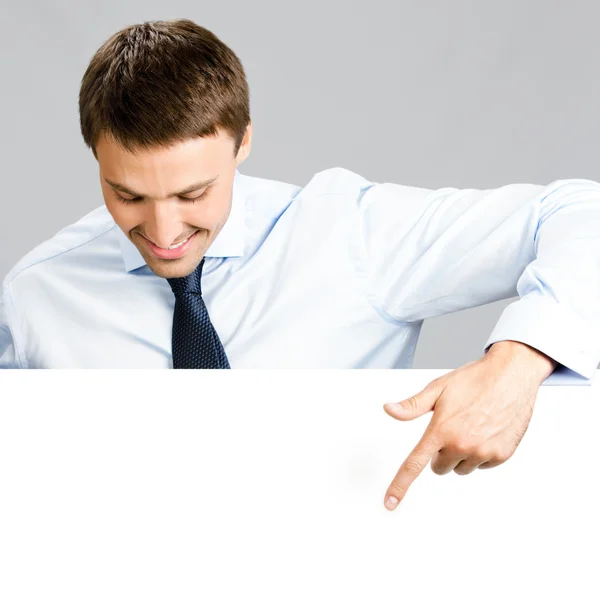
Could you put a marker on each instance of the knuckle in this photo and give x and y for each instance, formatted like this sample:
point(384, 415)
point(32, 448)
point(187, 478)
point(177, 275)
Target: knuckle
point(480, 455)
point(397, 490)
point(469, 443)
point(503, 455)
point(460, 445)
point(479, 450)
point(498, 455)
point(412, 466)
point(412, 402)
point(445, 431)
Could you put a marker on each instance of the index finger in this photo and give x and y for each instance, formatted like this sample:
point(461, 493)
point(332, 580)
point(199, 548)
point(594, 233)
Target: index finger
point(411, 468)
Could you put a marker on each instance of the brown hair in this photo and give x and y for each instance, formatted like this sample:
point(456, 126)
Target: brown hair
point(160, 82)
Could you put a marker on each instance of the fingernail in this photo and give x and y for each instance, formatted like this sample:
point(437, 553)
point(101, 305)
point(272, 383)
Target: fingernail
point(395, 406)
point(391, 502)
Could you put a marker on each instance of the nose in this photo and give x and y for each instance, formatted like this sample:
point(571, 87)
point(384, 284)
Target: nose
point(163, 223)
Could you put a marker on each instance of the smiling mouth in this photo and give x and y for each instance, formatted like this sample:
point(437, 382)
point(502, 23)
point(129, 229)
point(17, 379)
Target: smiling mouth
point(171, 253)
point(173, 246)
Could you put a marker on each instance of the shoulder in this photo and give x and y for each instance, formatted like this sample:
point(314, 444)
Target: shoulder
point(66, 242)
point(334, 180)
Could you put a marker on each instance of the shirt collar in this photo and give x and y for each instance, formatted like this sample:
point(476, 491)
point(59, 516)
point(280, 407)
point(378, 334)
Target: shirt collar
point(229, 241)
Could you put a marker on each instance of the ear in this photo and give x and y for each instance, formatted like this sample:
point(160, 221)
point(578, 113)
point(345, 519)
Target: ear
point(245, 146)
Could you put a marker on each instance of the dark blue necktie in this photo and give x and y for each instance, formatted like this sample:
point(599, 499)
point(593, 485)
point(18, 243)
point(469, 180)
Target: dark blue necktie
point(195, 343)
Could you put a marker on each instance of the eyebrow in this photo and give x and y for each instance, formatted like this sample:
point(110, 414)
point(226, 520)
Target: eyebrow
point(191, 188)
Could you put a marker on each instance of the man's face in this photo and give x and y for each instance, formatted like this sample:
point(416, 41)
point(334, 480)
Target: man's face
point(162, 213)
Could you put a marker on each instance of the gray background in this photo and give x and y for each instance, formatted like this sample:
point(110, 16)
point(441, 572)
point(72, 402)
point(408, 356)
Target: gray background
point(464, 94)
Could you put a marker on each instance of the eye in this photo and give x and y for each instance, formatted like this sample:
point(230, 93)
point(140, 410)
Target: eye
point(125, 200)
point(196, 198)
point(136, 200)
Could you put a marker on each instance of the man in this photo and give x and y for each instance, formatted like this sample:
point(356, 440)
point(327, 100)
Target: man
point(190, 264)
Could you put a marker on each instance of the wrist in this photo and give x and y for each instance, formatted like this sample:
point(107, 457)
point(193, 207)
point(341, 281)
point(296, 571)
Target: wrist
point(535, 363)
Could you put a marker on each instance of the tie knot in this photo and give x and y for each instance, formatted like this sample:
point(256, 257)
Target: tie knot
point(188, 284)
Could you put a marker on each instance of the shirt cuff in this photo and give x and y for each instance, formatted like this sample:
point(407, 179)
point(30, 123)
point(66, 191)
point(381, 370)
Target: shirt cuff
point(555, 330)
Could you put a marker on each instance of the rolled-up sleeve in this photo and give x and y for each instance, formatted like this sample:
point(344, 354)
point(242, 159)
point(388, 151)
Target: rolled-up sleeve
point(432, 252)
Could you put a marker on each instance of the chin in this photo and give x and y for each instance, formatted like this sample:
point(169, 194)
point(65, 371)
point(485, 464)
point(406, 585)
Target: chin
point(179, 268)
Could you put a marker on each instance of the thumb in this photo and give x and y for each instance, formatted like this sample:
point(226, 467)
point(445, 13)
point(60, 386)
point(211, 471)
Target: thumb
point(415, 406)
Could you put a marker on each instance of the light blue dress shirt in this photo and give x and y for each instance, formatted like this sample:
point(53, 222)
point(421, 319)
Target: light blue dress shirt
point(338, 273)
